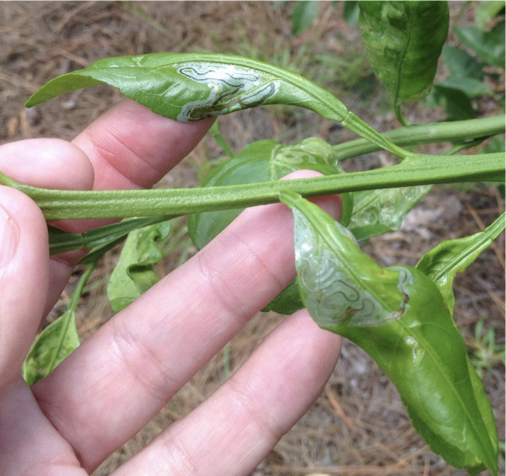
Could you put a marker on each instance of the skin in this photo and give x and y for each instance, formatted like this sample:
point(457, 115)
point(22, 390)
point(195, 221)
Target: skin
point(118, 379)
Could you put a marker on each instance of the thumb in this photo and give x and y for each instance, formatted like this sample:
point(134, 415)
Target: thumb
point(24, 277)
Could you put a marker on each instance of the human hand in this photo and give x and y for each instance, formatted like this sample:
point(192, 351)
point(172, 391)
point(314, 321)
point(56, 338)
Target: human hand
point(118, 379)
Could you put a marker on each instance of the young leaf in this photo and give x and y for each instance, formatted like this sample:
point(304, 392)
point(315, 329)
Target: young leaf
point(401, 52)
point(338, 283)
point(53, 344)
point(450, 257)
point(134, 273)
point(57, 340)
point(382, 210)
point(398, 316)
point(303, 15)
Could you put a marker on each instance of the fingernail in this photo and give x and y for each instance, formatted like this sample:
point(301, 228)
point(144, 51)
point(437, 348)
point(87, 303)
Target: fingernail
point(9, 233)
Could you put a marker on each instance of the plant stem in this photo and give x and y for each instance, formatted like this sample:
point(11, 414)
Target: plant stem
point(400, 117)
point(416, 134)
point(215, 132)
point(414, 170)
point(76, 296)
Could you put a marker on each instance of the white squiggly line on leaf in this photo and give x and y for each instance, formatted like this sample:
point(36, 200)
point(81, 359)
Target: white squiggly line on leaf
point(230, 89)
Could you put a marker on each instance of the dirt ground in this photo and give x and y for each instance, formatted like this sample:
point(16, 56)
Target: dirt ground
point(358, 426)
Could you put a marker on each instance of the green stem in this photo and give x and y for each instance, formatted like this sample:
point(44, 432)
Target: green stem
point(496, 228)
point(357, 125)
point(414, 170)
point(416, 134)
point(215, 132)
point(61, 241)
point(76, 296)
point(400, 117)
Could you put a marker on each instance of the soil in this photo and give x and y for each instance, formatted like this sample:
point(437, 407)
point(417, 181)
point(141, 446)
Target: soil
point(358, 426)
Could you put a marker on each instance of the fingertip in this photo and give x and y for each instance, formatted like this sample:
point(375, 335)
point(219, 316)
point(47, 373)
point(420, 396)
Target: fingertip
point(130, 146)
point(24, 278)
point(47, 163)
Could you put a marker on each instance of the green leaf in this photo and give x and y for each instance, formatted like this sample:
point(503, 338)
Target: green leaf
point(442, 263)
point(461, 63)
point(488, 45)
point(57, 340)
point(265, 161)
point(398, 316)
point(457, 104)
point(134, 272)
point(52, 346)
point(303, 15)
point(485, 11)
point(471, 87)
point(339, 283)
point(191, 87)
point(382, 210)
point(402, 52)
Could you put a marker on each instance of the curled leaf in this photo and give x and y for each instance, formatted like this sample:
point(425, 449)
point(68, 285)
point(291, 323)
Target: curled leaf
point(398, 316)
point(450, 257)
point(134, 272)
point(191, 87)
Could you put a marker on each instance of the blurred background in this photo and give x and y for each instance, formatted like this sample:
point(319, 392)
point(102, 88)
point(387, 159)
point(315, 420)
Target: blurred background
point(358, 426)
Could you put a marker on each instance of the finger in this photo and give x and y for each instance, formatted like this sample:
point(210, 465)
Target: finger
point(235, 429)
point(127, 147)
point(49, 163)
point(24, 271)
point(29, 444)
point(132, 147)
point(156, 344)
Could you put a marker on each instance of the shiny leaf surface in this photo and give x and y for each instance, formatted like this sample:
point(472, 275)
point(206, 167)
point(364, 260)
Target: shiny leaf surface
point(382, 210)
point(398, 316)
point(191, 87)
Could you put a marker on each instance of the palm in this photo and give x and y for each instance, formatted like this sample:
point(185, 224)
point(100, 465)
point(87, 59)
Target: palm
point(118, 379)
